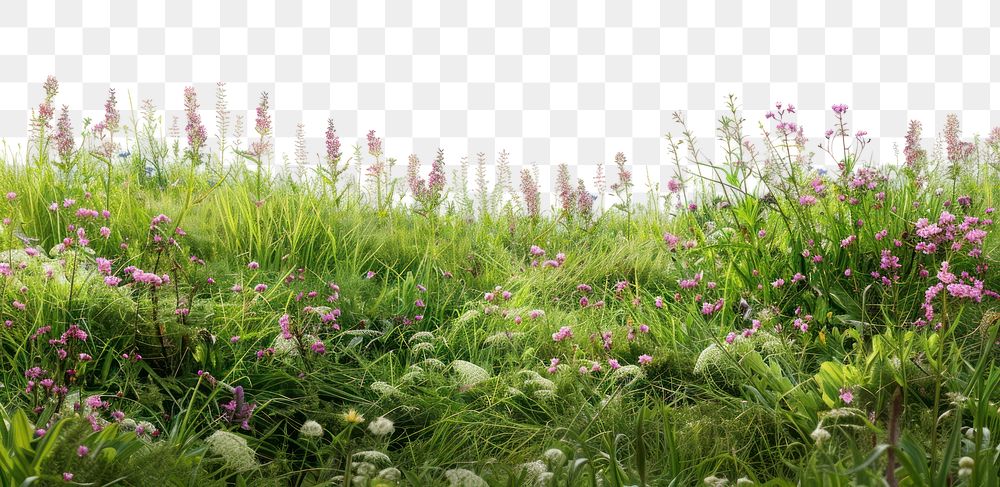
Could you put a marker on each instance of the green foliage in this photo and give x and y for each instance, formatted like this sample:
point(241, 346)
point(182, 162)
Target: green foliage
point(761, 321)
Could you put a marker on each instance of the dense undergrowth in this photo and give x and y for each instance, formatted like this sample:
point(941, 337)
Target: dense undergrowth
point(175, 310)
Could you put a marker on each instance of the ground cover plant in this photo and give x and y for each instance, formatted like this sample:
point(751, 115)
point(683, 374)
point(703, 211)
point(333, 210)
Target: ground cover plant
point(175, 308)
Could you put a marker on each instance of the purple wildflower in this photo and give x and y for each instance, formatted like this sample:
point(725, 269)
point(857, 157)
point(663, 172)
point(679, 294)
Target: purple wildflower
point(237, 410)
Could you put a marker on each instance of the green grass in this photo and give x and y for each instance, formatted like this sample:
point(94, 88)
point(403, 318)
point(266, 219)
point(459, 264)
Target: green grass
point(465, 380)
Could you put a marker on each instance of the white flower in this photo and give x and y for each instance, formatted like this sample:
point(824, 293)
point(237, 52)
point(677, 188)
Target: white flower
point(460, 477)
point(971, 435)
point(541, 383)
point(956, 398)
point(555, 456)
point(544, 394)
point(311, 429)
point(469, 373)
point(422, 336)
point(432, 363)
point(374, 457)
point(534, 468)
point(146, 426)
point(503, 338)
point(467, 316)
point(70, 402)
point(628, 371)
point(289, 347)
point(841, 413)
point(233, 449)
point(413, 374)
point(381, 426)
point(714, 481)
point(364, 469)
point(391, 474)
point(895, 363)
point(544, 478)
point(384, 389)
point(819, 435)
point(612, 401)
point(284, 347)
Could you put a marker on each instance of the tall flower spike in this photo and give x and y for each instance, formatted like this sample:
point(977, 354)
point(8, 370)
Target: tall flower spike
point(567, 197)
point(913, 152)
point(436, 179)
point(374, 144)
point(332, 143)
point(111, 116)
point(237, 410)
point(503, 176)
point(46, 111)
point(600, 181)
point(221, 113)
point(301, 156)
point(263, 117)
point(196, 132)
point(64, 135)
point(624, 175)
point(956, 148)
point(585, 200)
point(413, 178)
point(529, 188)
point(263, 127)
point(51, 87)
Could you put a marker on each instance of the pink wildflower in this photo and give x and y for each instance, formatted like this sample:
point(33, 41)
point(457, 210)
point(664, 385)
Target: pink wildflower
point(846, 395)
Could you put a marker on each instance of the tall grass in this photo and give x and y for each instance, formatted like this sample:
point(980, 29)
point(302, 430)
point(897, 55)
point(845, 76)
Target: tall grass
point(758, 320)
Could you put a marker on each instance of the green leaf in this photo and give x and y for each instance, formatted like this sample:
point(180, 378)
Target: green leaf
point(877, 452)
point(46, 445)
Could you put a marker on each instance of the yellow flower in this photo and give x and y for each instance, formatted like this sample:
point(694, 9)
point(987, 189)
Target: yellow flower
point(353, 417)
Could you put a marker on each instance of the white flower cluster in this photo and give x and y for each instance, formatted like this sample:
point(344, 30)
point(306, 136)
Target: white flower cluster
point(422, 336)
point(503, 338)
point(364, 469)
point(714, 481)
point(537, 381)
point(233, 449)
point(460, 477)
point(432, 363)
point(630, 372)
point(374, 457)
point(555, 457)
point(820, 435)
point(413, 374)
point(391, 474)
point(469, 374)
point(385, 389)
point(965, 466)
point(381, 426)
point(287, 348)
point(719, 363)
point(311, 429)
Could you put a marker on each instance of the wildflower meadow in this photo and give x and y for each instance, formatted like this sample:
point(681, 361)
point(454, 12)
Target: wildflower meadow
point(182, 306)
